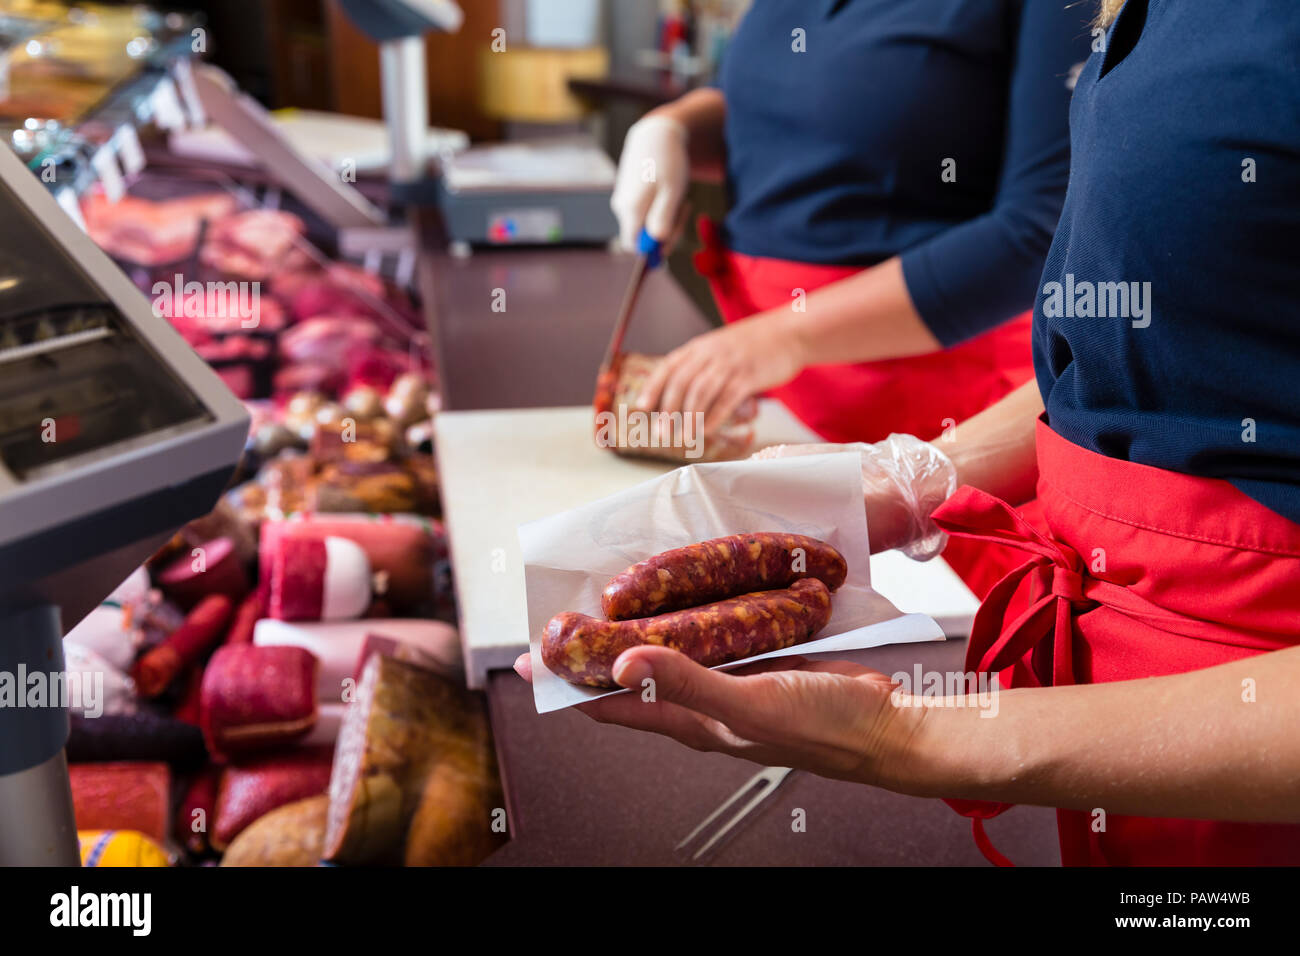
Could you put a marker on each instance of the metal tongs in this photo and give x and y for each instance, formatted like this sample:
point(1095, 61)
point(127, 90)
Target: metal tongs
point(766, 780)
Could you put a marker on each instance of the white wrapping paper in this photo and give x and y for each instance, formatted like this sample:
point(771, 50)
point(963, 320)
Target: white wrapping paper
point(570, 557)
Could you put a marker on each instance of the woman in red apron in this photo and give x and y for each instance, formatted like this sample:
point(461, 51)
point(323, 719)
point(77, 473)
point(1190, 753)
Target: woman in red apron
point(1155, 667)
point(882, 244)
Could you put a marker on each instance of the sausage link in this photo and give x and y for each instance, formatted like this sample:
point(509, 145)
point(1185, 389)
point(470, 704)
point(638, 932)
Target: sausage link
point(719, 569)
point(582, 649)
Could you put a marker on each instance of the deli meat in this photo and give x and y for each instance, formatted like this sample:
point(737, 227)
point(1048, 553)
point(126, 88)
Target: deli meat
point(413, 778)
point(625, 430)
point(256, 244)
point(148, 233)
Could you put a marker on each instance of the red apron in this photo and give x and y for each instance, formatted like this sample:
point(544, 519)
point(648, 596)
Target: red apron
point(1145, 572)
point(919, 395)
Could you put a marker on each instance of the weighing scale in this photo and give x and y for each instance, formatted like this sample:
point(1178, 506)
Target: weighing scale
point(113, 434)
point(536, 192)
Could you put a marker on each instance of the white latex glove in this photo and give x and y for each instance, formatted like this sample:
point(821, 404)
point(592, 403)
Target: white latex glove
point(903, 480)
point(653, 175)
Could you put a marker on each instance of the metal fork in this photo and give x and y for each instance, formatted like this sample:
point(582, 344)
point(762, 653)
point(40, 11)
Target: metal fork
point(766, 780)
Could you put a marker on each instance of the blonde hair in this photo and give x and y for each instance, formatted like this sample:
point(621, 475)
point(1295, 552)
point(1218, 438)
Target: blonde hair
point(1108, 12)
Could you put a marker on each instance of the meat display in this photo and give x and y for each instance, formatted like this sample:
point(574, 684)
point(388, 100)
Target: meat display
point(148, 232)
point(242, 694)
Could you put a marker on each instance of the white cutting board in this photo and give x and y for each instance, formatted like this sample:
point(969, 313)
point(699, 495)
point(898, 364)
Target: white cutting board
point(499, 469)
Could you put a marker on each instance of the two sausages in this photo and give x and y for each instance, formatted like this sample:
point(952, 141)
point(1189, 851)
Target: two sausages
point(716, 601)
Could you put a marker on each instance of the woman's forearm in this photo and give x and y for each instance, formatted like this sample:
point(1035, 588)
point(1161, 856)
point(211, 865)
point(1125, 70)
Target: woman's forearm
point(995, 450)
point(863, 318)
point(1219, 743)
point(703, 113)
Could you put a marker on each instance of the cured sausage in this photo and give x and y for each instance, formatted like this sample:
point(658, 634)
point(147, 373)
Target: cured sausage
point(582, 649)
point(718, 569)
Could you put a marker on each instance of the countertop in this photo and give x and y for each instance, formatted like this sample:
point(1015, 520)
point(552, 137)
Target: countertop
point(583, 793)
point(527, 328)
point(501, 469)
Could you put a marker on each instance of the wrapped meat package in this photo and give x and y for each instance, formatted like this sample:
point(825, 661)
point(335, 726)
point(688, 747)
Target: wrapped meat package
point(625, 430)
point(198, 809)
point(402, 549)
point(257, 698)
point(322, 578)
point(338, 646)
point(201, 630)
point(122, 796)
point(120, 848)
point(144, 736)
point(253, 788)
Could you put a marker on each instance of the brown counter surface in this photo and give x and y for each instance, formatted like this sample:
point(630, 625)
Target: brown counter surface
point(579, 792)
point(545, 349)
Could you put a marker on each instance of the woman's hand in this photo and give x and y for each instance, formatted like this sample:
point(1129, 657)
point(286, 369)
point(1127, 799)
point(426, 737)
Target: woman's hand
point(833, 718)
point(714, 372)
point(654, 173)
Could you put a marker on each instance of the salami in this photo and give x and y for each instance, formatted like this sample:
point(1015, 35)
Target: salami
point(203, 628)
point(718, 569)
point(582, 649)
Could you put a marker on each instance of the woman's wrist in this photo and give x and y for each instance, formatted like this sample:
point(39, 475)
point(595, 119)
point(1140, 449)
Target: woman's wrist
point(785, 332)
point(961, 747)
point(700, 114)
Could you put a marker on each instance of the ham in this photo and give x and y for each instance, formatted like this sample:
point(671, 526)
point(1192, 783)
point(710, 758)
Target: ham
point(405, 723)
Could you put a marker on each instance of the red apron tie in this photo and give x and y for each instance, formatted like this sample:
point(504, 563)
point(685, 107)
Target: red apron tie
point(1060, 588)
point(711, 260)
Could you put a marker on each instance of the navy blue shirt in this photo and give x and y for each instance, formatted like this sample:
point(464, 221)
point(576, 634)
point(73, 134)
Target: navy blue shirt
point(836, 155)
point(1192, 101)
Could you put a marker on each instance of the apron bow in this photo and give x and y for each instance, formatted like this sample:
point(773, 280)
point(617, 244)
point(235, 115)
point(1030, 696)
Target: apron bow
point(1060, 587)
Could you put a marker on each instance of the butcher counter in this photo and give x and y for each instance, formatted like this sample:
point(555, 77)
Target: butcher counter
point(518, 336)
